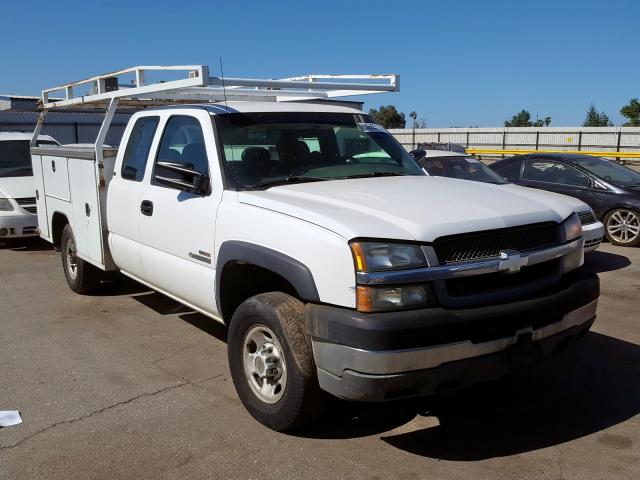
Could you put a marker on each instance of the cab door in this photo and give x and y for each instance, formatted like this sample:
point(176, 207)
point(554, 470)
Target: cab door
point(177, 227)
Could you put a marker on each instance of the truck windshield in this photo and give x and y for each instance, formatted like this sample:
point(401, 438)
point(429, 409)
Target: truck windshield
point(266, 149)
point(15, 157)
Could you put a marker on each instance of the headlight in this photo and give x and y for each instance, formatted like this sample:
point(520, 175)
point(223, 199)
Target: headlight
point(572, 228)
point(378, 257)
point(5, 205)
point(376, 299)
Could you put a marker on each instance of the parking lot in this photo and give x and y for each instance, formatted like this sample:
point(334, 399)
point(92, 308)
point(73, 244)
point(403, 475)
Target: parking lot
point(129, 384)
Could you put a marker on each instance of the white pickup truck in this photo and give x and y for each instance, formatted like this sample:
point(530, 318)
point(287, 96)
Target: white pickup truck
point(337, 265)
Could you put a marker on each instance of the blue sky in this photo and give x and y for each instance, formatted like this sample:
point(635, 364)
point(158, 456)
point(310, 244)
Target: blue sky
point(462, 63)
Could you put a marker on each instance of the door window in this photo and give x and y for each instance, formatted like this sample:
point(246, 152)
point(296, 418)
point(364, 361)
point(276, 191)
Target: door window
point(183, 144)
point(510, 171)
point(138, 146)
point(549, 171)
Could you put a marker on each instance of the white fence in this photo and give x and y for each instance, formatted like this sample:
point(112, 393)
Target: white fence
point(601, 139)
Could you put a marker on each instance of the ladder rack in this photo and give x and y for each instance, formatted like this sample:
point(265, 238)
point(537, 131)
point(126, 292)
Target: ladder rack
point(195, 85)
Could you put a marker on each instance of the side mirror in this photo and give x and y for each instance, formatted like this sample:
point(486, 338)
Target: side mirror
point(181, 177)
point(418, 154)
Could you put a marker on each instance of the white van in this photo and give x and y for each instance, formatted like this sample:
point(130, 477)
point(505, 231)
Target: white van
point(18, 216)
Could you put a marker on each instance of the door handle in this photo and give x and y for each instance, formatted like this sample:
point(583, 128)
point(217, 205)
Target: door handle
point(146, 207)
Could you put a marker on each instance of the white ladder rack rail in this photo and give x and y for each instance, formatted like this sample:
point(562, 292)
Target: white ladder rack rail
point(198, 86)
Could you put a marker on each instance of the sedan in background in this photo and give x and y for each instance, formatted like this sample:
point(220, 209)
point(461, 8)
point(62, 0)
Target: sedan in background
point(466, 167)
point(610, 189)
point(18, 216)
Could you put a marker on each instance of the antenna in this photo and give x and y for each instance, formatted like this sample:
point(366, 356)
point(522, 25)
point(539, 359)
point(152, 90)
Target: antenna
point(224, 94)
point(224, 91)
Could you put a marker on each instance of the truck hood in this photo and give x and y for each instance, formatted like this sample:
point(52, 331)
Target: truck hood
point(408, 208)
point(17, 187)
point(575, 203)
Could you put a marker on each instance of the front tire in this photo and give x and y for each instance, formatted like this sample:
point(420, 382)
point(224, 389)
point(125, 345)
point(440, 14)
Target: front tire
point(622, 227)
point(82, 277)
point(271, 362)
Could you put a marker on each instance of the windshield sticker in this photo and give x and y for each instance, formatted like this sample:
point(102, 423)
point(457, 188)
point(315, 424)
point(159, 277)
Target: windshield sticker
point(372, 128)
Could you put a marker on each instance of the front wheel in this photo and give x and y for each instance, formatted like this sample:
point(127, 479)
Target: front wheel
point(82, 277)
point(271, 362)
point(622, 227)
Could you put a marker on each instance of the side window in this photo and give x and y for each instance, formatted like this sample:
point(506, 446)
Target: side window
point(554, 172)
point(183, 144)
point(510, 171)
point(137, 151)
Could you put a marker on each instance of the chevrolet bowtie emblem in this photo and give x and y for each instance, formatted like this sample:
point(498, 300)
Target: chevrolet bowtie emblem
point(511, 261)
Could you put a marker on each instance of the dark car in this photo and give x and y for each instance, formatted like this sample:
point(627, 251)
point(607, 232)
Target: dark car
point(612, 190)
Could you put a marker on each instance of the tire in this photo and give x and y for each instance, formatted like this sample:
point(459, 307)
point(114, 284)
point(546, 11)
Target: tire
point(82, 277)
point(622, 227)
point(288, 398)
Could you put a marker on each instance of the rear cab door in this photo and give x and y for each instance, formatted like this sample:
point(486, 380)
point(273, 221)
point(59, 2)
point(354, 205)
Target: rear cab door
point(126, 189)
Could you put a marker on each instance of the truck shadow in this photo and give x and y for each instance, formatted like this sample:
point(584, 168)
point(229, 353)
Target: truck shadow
point(593, 386)
point(599, 261)
point(580, 392)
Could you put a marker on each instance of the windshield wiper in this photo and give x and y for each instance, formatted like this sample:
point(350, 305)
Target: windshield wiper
point(285, 181)
point(377, 174)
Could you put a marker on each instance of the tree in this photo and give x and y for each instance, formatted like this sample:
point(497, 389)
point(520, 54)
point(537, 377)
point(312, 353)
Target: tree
point(417, 122)
point(596, 118)
point(388, 116)
point(632, 112)
point(523, 119)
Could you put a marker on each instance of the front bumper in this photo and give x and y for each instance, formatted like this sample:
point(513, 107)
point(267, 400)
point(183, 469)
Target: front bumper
point(592, 234)
point(377, 357)
point(18, 225)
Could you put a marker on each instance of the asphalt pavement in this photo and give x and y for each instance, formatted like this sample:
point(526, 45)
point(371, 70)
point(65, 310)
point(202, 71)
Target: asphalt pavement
point(129, 384)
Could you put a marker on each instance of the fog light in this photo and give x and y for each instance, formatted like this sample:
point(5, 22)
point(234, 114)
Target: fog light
point(4, 232)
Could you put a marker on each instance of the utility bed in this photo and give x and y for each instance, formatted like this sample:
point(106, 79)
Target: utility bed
point(70, 182)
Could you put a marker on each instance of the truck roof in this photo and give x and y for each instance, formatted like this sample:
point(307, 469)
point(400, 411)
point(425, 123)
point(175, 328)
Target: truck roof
point(248, 107)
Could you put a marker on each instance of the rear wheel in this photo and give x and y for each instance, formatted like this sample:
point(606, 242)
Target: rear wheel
point(82, 277)
point(622, 227)
point(271, 362)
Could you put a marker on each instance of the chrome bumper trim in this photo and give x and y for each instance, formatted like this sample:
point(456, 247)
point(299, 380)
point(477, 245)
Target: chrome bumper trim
point(336, 358)
point(456, 270)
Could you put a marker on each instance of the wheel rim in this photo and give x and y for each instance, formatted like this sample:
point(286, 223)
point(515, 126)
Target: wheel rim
point(264, 365)
point(623, 226)
point(71, 259)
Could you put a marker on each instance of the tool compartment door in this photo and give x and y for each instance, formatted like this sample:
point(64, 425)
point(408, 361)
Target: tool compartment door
point(41, 197)
point(86, 210)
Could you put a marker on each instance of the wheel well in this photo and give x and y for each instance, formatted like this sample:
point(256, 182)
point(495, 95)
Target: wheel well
point(618, 207)
point(240, 281)
point(58, 223)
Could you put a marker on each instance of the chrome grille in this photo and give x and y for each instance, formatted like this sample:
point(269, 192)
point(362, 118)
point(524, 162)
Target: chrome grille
point(28, 203)
point(478, 245)
point(587, 218)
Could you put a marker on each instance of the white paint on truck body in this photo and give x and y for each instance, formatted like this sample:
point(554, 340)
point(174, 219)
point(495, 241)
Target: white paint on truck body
point(310, 222)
